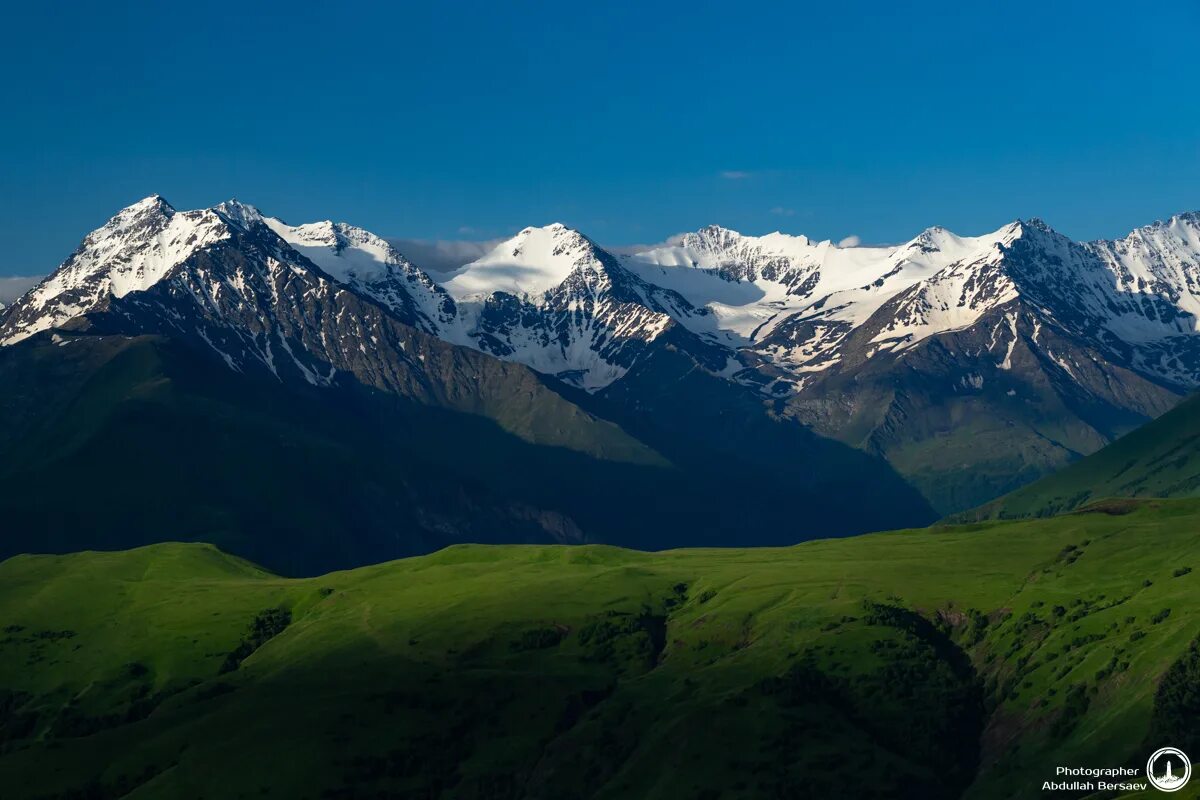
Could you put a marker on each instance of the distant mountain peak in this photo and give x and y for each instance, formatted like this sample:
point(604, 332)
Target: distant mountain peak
point(1188, 220)
point(719, 231)
point(368, 263)
point(555, 235)
point(712, 237)
point(150, 202)
point(931, 239)
point(336, 236)
point(1035, 231)
point(238, 213)
point(133, 217)
point(532, 262)
point(131, 252)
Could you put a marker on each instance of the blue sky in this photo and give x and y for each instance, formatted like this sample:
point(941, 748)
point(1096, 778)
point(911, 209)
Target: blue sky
point(629, 121)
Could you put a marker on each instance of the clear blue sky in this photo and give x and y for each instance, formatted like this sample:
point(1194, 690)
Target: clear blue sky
point(629, 121)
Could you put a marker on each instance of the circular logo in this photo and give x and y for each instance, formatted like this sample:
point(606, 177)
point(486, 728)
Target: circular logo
point(1169, 769)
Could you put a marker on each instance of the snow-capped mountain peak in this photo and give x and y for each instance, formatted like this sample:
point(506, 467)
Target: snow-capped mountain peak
point(131, 252)
point(550, 298)
point(737, 256)
point(529, 264)
point(358, 258)
point(712, 239)
point(237, 213)
point(343, 251)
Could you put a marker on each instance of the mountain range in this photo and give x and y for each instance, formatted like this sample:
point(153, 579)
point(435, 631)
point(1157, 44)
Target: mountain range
point(720, 388)
point(193, 376)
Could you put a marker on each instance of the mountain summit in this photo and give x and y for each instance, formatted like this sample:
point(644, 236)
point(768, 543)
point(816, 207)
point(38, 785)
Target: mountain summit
point(529, 264)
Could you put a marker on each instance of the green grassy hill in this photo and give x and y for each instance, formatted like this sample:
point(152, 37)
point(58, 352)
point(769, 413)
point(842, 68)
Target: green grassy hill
point(1159, 459)
point(935, 664)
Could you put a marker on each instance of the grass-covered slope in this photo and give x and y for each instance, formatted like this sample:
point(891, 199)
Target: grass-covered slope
point(914, 664)
point(1159, 459)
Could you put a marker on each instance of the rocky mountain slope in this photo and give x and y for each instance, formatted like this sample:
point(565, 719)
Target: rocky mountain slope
point(1159, 459)
point(973, 365)
point(210, 363)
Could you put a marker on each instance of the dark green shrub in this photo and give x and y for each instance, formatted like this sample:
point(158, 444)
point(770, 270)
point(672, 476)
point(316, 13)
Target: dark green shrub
point(265, 626)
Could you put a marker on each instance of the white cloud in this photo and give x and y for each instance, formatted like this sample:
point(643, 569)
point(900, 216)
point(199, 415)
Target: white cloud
point(443, 255)
point(13, 287)
point(734, 174)
point(850, 241)
point(780, 211)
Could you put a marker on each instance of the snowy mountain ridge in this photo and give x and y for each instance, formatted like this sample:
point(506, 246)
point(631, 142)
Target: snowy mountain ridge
point(793, 300)
point(131, 252)
point(360, 259)
point(779, 304)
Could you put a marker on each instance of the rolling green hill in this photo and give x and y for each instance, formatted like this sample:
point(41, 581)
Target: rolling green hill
point(1159, 459)
point(966, 661)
